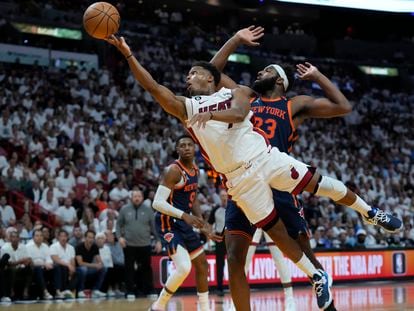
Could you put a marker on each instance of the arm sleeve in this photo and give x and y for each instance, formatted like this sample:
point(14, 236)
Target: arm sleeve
point(160, 203)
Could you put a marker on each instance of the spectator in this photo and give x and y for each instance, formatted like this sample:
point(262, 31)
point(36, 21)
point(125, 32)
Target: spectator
point(89, 263)
point(119, 193)
point(105, 253)
point(39, 253)
point(67, 216)
point(50, 204)
point(66, 181)
point(63, 256)
point(118, 271)
point(77, 237)
point(134, 228)
point(18, 272)
point(216, 219)
point(8, 217)
point(88, 221)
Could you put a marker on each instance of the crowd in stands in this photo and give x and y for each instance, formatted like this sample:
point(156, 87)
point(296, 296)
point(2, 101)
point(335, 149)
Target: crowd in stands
point(74, 144)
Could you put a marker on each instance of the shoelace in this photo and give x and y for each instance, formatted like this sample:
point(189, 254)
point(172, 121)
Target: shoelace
point(380, 216)
point(319, 286)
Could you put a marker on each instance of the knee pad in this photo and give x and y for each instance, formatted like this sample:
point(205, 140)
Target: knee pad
point(331, 188)
point(182, 264)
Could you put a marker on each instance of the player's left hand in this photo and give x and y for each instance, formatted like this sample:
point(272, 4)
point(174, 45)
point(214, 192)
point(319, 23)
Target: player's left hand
point(307, 71)
point(158, 247)
point(200, 119)
point(250, 35)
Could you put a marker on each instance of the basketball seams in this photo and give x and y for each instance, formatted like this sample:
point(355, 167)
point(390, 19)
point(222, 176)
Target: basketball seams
point(107, 11)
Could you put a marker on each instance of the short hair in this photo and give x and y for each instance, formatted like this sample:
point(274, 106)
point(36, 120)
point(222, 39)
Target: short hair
point(290, 74)
point(211, 68)
point(90, 231)
point(37, 230)
point(182, 137)
point(63, 231)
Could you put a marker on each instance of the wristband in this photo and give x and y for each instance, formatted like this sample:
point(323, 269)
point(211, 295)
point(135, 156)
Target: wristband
point(130, 55)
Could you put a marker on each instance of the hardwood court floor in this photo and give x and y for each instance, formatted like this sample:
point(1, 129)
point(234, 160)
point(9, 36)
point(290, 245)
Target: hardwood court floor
point(370, 296)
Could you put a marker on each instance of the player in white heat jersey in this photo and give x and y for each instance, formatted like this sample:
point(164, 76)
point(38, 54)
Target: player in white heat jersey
point(220, 121)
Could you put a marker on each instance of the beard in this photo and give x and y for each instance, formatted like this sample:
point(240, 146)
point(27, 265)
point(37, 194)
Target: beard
point(262, 86)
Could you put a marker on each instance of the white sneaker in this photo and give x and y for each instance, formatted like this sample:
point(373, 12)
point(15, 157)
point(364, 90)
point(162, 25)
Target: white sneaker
point(119, 293)
point(98, 294)
point(81, 294)
point(5, 300)
point(130, 297)
point(47, 295)
point(290, 304)
point(59, 295)
point(68, 294)
point(111, 293)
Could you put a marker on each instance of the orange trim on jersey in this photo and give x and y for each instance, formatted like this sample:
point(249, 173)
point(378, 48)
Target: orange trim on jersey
point(289, 106)
point(295, 200)
point(239, 232)
point(264, 99)
point(168, 223)
point(180, 164)
point(252, 99)
point(162, 223)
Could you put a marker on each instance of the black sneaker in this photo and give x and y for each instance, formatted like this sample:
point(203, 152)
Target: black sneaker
point(387, 221)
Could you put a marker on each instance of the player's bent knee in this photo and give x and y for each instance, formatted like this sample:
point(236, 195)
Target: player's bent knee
point(331, 188)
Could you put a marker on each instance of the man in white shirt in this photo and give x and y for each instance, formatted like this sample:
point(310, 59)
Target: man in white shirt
point(7, 215)
point(18, 273)
point(63, 257)
point(42, 263)
point(66, 181)
point(50, 204)
point(52, 163)
point(67, 215)
point(119, 193)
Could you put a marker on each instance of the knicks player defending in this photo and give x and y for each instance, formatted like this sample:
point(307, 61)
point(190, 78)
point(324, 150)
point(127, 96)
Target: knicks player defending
point(174, 202)
point(279, 118)
point(221, 123)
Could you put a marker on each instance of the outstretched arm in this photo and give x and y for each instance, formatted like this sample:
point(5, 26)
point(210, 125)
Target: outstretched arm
point(172, 104)
point(246, 36)
point(334, 104)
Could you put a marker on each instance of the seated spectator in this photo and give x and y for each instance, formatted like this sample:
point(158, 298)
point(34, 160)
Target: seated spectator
point(52, 163)
point(42, 264)
point(77, 237)
point(118, 259)
point(66, 180)
point(47, 237)
point(109, 223)
point(67, 216)
point(17, 273)
point(50, 204)
point(63, 257)
point(105, 253)
point(89, 263)
point(88, 221)
point(7, 215)
point(119, 193)
point(97, 191)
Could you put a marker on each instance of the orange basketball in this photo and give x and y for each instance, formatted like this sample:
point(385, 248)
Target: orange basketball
point(101, 20)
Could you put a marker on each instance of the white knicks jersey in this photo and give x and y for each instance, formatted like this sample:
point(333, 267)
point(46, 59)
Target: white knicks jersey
point(227, 146)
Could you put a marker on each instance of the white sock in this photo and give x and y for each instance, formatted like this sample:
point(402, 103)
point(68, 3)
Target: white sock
point(203, 301)
point(288, 291)
point(306, 266)
point(162, 300)
point(361, 206)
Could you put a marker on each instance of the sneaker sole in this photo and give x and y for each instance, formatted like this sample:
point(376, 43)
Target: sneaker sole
point(377, 225)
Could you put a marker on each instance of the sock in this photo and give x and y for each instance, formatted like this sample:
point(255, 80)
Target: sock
point(162, 300)
point(361, 206)
point(203, 301)
point(288, 291)
point(306, 266)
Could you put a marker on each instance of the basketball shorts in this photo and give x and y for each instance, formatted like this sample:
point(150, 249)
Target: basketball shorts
point(250, 185)
point(175, 233)
point(287, 208)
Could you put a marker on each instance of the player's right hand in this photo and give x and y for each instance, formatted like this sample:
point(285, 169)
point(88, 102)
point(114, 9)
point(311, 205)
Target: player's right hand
point(193, 221)
point(120, 44)
point(250, 35)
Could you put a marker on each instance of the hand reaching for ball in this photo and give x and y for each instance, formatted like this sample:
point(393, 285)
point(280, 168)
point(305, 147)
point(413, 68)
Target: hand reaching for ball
point(120, 44)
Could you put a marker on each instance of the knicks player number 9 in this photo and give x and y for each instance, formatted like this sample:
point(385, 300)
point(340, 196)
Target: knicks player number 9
point(269, 126)
point(192, 198)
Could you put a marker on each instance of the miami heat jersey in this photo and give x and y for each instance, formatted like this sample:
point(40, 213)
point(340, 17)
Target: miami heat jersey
point(274, 118)
point(227, 146)
point(181, 197)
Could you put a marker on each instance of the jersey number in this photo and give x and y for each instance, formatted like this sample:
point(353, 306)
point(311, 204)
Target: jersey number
point(268, 126)
point(192, 198)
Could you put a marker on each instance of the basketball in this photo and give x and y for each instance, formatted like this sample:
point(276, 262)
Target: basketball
point(101, 20)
